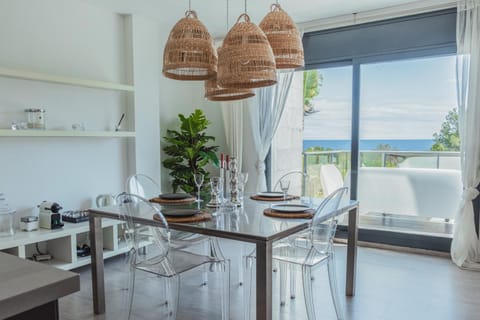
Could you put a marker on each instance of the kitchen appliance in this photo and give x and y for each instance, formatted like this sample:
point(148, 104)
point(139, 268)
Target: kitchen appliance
point(6, 218)
point(105, 200)
point(49, 215)
point(29, 223)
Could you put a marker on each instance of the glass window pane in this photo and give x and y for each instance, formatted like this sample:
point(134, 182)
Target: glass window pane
point(409, 159)
point(327, 127)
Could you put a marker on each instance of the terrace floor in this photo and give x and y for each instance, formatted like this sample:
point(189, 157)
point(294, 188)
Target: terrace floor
point(407, 224)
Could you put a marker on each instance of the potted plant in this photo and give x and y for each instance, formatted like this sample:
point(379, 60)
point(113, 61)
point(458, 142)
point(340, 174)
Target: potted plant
point(188, 151)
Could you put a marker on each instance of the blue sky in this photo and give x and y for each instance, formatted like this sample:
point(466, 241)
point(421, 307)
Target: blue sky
point(406, 99)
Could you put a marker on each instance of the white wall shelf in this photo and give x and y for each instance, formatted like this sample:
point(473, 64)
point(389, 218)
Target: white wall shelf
point(62, 243)
point(30, 75)
point(66, 133)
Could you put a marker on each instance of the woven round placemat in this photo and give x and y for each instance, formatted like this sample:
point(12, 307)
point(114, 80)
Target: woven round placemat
point(173, 201)
point(308, 214)
point(257, 197)
point(202, 216)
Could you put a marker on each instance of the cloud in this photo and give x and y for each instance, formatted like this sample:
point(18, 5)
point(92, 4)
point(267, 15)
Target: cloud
point(385, 121)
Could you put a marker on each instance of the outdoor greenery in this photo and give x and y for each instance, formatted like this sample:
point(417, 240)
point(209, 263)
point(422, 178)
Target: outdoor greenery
point(188, 151)
point(448, 138)
point(312, 81)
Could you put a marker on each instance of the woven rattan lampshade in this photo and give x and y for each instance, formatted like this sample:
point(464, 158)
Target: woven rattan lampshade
point(247, 60)
point(189, 53)
point(284, 37)
point(214, 92)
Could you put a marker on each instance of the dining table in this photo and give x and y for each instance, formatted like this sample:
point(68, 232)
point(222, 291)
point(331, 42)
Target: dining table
point(249, 224)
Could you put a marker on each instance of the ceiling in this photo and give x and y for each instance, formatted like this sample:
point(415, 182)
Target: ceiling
point(213, 12)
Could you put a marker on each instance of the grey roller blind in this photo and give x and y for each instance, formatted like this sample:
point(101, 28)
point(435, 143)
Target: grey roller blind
point(427, 31)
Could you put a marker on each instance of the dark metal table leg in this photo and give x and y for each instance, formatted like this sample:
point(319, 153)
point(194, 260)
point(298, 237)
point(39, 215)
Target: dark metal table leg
point(264, 281)
point(352, 251)
point(98, 285)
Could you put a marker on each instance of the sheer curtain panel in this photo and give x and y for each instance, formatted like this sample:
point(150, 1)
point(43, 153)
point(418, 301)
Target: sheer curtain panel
point(465, 249)
point(232, 113)
point(265, 111)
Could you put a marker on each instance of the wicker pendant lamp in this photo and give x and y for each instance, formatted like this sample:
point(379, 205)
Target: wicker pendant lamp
point(247, 59)
point(214, 92)
point(284, 37)
point(189, 53)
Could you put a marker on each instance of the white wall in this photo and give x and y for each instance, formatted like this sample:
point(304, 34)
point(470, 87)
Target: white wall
point(75, 39)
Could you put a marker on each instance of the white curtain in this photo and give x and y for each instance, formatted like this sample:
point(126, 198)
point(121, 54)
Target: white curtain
point(232, 112)
point(465, 250)
point(265, 111)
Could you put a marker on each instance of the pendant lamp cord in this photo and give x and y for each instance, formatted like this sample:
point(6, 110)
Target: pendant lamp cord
point(245, 6)
point(189, 5)
point(227, 15)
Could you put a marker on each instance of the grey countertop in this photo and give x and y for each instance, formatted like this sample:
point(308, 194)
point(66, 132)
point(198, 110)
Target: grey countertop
point(26, 284)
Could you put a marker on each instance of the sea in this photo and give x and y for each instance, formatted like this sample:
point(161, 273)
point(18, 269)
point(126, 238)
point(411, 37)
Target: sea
point(372, 144)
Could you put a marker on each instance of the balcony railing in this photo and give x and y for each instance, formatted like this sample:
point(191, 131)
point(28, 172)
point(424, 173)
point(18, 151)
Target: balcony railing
point(312, 160)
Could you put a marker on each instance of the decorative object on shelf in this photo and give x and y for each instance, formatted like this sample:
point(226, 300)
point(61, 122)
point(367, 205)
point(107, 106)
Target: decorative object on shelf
point(35, 118)
point(189, 53)
point(247, 59)
point(284, 38)
point(188, 152)
point(118, 126)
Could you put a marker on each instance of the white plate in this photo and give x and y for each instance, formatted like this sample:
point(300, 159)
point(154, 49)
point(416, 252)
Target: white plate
point(290, 207)
point(270, 194)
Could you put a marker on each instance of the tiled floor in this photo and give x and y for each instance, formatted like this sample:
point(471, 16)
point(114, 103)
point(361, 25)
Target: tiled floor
point(390, 285)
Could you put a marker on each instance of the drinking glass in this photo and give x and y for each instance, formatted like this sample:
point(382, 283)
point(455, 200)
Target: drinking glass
point(242, 181)
point(284, 185)
point(198, 178)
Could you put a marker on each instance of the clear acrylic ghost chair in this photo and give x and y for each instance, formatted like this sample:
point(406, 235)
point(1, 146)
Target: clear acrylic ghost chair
point(166, 263)
point(294, 172)
point(319, 251)
point(146, 187)
point(306, 182)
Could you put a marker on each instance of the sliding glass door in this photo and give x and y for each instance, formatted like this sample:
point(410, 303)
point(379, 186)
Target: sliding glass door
point(409, 169)
point(396, 119)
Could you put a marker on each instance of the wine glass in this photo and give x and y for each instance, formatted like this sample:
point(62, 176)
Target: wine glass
point(198, 178)
point(284, 185)
point(242, 181)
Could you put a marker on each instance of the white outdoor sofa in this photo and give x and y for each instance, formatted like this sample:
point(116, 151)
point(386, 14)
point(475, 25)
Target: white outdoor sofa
point(423, 192)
